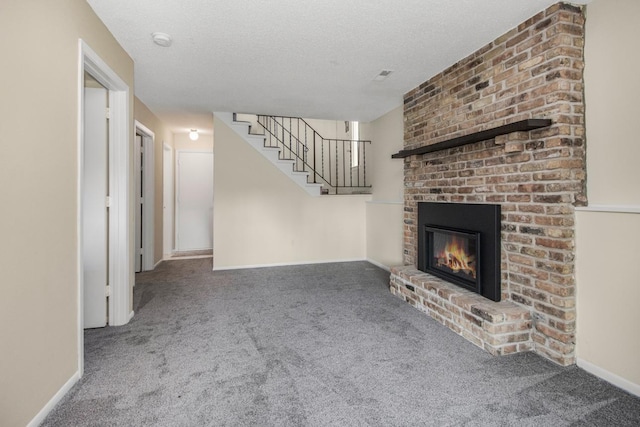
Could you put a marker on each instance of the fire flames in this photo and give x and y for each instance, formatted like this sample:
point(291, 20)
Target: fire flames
point(455, 257)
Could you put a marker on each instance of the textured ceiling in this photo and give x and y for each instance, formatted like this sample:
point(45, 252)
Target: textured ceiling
point(312, 59)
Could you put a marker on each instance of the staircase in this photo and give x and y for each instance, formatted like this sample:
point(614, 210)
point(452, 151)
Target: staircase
point(316, 164)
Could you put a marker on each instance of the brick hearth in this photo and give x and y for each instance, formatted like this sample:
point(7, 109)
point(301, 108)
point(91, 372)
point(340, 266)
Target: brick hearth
point(538, 177)
point(498, 327)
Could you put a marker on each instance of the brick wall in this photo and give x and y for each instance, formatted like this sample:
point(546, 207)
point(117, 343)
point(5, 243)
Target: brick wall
point(533, 71)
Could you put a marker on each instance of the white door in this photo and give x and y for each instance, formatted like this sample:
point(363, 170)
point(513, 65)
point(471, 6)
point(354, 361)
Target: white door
point(138, 205)
point(94, 208)
point(167, 200)
point(194, 210)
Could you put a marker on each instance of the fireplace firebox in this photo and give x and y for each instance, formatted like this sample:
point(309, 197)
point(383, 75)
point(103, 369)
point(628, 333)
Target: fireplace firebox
point(454, 255)
point(460, 242)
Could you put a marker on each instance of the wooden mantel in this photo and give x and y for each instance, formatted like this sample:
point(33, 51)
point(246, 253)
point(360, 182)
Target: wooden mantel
point(521, 126)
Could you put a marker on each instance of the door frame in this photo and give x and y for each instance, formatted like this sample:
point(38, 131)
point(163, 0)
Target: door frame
point(168, 201)
point(148, 191)
point(120, 267)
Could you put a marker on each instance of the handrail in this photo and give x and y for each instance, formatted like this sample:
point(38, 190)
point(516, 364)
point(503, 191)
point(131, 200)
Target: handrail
point(338, 166)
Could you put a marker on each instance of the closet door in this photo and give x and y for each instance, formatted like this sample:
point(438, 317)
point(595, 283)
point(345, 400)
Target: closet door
point(194, 208)
point(95, 184)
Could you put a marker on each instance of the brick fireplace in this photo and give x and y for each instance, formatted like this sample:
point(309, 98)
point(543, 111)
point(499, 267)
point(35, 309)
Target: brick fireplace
point(537, 177)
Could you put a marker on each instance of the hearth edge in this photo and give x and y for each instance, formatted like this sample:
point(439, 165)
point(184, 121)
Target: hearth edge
point(500, 328)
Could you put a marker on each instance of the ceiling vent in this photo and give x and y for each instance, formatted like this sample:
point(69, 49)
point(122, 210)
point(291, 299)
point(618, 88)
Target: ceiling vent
point(382, 75)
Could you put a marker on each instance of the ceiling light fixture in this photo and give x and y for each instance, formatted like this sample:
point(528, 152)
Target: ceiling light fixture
point(193, 135)
point(162, 39)
point(382, 75)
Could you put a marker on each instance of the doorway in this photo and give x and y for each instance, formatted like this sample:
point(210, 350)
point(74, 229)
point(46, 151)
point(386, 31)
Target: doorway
point(194, 208)
point(117, 295)
point(144, 198)
point(95, 201)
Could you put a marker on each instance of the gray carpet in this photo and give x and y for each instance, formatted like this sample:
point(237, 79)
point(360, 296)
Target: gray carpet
point(312, 345)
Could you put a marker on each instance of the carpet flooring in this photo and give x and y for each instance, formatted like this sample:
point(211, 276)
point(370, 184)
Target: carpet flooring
point(312, 345)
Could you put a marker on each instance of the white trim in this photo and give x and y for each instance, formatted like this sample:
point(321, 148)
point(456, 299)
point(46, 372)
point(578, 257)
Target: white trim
point(178, 258)
point(285, 264)
point(131, 314)
point(157, 264)
point(631, 209)
point(119, 217)
point(120, 263)
point(148, 237)
point(79, 187)
point(344, 196)
point(143, 129)
point(377, 264)
point(40, 416)
point(610, 377)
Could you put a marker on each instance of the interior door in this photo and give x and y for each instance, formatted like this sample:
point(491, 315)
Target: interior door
point(139, 201)
point(194, 209)
point(95, 185)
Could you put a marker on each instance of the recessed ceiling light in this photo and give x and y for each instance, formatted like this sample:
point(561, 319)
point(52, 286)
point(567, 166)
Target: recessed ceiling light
point(382, 75)
point(162, 39)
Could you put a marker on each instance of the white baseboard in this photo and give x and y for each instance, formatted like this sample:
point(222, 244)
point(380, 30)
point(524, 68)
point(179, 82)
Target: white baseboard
point(377, 264)
point(609, 377)
point(157, 264)
point(284, 264)
point(39, 418)
point(181, 258)
point(131, 315)
point(630, 209)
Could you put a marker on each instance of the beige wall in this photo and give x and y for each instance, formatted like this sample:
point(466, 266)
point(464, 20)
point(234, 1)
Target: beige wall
point(385, 212)
point(162, 135)
point(38, 176)
point(612, 88)
point(203, 143)
point(608, 292)
point(607, 250)
point(333, 129)
point(261, 217)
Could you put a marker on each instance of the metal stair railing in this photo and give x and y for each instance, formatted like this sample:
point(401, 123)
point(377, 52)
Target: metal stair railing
point(337, 163)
